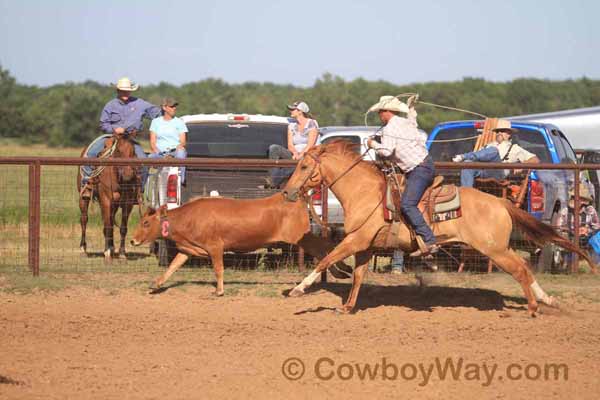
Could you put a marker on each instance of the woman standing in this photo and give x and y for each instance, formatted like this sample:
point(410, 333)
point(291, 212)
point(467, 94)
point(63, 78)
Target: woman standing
point(302, 135)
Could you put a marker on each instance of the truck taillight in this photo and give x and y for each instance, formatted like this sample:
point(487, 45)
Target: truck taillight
point(478, 125)
point(172, 189)
point(239, 118)
point(536, 196)
point(316, 197)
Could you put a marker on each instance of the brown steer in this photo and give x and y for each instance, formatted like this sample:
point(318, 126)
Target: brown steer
point(210, 226)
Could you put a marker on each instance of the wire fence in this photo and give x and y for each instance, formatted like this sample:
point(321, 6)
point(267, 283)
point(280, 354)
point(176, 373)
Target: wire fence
point(40, 215)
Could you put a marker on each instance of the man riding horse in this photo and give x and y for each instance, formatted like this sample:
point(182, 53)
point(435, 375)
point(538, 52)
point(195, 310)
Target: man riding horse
point(122, 115)
point(404, 145)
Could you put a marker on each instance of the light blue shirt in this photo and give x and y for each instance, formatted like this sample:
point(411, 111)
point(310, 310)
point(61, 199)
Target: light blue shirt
point(167, 132)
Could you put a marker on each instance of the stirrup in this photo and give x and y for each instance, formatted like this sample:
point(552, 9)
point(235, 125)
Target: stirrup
point(431, 250)
point(86, 191)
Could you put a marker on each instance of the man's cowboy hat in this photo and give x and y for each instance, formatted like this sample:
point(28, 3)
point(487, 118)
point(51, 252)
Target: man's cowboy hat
point(504, 126)
point(126, 85)
point(585, 197)
point(389, 103)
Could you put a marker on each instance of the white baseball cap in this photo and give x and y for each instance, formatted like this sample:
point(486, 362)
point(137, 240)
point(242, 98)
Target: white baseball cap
point(299, 105)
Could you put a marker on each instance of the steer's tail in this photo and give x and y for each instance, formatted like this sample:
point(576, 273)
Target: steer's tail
point(541, 233)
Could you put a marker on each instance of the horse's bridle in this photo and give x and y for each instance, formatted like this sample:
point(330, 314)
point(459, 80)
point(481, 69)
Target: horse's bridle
point(292, 195)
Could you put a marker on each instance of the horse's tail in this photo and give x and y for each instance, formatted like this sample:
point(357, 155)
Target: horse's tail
point(541, 233)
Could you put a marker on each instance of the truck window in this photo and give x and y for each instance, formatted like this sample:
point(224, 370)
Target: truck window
point(447, 143)
point(533, 141)
point(566, 153)
point(235, 139)
point(352, 139)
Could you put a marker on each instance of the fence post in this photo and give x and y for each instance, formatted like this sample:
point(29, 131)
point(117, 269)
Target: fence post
point(324, 215)
point(34, 217)
point(576, 221)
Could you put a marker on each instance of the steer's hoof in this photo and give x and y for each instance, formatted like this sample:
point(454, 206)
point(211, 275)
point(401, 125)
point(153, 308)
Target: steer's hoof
point(219, 294)
point(296, 292)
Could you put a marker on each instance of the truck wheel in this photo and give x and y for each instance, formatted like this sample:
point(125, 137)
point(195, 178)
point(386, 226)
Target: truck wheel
point(166, 252)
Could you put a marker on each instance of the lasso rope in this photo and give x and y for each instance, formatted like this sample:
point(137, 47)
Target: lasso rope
point(96, 172)
point(438, 106)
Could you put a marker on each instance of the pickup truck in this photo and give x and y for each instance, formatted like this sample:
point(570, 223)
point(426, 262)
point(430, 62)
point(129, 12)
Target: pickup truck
point(546, 141)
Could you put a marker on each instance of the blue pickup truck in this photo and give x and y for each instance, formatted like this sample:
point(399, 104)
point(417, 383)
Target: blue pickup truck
point(546, 141)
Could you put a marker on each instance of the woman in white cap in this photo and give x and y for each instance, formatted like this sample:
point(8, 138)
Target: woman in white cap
point(302, 135)
point(122, 114)
point(403, 144)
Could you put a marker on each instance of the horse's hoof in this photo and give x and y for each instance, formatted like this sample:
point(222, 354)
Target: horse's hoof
point(533, 311)
point(219, 294)
point(343, 310)
point(296, 292)
point(554, 303)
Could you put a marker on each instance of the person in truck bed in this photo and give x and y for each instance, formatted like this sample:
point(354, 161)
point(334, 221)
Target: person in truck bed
point(502, 150)
point(302, 135)
point(168, 134)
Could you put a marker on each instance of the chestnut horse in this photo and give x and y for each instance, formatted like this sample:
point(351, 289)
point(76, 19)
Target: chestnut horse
point(485, 225)
point(114, 187)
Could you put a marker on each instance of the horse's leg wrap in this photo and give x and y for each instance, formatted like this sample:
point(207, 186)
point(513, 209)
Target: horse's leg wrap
point(306, 282)
point(541, 295)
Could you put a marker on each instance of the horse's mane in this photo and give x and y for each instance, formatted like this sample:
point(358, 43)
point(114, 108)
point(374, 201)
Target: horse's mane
point(345, 148)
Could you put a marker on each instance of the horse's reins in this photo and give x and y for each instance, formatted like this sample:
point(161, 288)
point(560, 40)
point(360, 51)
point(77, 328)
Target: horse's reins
point(326, 186)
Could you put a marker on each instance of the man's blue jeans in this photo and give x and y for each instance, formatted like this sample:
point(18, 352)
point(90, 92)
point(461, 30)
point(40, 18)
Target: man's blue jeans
point(278, 175)
point(96, 147)
point(177, 153)
point(398, 261)
point(417, 181)
point(488, 154)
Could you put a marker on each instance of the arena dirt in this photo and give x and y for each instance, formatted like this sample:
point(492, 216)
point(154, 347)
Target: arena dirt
point(184, 343)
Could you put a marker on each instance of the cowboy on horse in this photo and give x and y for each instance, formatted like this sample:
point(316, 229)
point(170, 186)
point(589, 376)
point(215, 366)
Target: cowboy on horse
point(121, 116)
point(404, 145)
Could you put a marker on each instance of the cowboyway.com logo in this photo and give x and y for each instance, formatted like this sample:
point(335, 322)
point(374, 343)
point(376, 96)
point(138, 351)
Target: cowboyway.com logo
point(441, 369)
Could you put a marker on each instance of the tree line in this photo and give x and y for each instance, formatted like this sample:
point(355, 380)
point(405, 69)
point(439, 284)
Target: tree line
point(68, 114)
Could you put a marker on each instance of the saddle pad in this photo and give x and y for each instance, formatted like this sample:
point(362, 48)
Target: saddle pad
point(453, 204)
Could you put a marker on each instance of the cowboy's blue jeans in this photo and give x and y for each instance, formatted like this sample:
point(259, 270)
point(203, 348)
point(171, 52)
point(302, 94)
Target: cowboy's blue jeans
point(95, 149)
point(417, 181)
point(398, 261)
point(278, 175)
point(488, 154)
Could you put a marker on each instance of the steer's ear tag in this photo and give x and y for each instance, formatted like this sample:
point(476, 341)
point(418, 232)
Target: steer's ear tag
point(164, 228)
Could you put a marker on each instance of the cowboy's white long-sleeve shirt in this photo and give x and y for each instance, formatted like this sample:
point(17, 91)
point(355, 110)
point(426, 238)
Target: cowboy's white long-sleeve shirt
point(402, 142)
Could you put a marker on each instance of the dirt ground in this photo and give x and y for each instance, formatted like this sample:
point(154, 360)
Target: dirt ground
point(88, 342)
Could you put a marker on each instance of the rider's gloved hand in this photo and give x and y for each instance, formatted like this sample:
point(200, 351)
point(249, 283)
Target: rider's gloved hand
point(412, 100)
point(458, 158)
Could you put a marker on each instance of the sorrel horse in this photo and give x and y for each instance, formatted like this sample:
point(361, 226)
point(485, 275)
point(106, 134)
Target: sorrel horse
point(485, 225)
point(115, 187)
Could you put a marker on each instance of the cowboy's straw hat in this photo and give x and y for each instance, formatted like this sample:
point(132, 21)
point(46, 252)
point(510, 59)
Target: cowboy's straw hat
point(126, 85)
point(389, 103)
point(585, 197)
point(504, 126)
